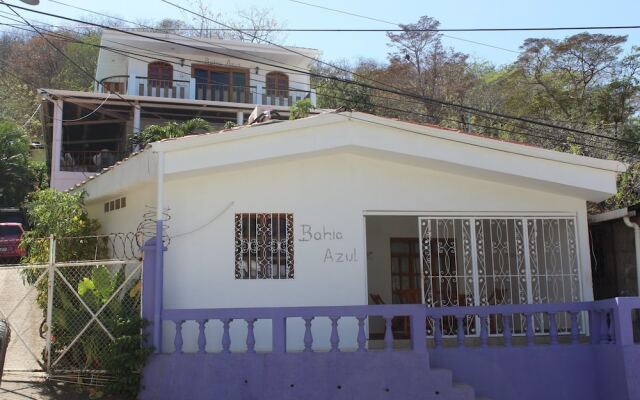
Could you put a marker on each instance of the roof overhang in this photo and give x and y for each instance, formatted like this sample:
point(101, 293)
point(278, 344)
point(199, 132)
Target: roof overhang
point(381, 138)
point(178, 45)
point(154, 102)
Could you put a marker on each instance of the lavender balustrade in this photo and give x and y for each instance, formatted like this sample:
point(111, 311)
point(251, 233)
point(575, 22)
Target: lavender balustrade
point(609, 322)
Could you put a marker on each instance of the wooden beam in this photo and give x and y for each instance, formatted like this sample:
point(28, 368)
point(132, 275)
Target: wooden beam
point(91, 122)
point(107, 112)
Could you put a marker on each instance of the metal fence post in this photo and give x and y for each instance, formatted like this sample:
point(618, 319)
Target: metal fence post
point(51, 268)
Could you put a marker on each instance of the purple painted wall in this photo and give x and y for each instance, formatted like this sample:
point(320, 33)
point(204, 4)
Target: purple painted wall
point(597, 362)
point(309, 376)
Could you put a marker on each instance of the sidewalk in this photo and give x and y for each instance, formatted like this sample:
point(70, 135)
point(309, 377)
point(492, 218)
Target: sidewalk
point(29, 387)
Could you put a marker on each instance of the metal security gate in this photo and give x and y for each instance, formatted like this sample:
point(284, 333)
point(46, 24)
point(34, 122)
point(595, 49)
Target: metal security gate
point(64, 312)
point(480, 261)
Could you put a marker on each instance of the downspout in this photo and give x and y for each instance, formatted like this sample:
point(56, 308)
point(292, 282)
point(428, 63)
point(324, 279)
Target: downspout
point(157, 310)
point(636, 232)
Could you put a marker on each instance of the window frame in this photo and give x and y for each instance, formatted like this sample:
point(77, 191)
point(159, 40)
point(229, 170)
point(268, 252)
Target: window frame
point(272, 84)
point(163, 69)
point(260, 251)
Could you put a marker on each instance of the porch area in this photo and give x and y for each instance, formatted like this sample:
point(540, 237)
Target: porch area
point(596, 358)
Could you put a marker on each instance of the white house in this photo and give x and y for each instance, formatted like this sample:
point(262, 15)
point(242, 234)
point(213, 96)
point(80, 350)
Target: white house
point(351, 209)
point(146, 78)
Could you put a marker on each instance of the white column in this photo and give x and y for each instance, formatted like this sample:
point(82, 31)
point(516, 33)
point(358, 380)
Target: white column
point(136, 123)
point(313, 97)
point(240, 118)
point(259, 93)
point(132, 85)
point(56, 142)
point(192, 89)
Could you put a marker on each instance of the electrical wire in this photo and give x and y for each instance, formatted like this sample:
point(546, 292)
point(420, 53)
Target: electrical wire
point(418, 97)
point(32, 115)
point(62, 53)
point(399, 91)
point(91, 113)
point(539, 136)
point(484, 113)
point(372, 30)
point(405, 30)
point(472, 144)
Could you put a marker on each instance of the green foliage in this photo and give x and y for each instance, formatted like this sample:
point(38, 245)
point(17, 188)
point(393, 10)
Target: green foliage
point(63, 215)
point(300, 109)
point(83, 54)
point(628, 189)
point(51, 212)
point(16, 173)
point(335, 94)
point(125, 357)
point(154, 133)
point(229, 125)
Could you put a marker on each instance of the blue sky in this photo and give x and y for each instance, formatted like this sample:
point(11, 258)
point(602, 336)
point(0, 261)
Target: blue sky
point(351, 46)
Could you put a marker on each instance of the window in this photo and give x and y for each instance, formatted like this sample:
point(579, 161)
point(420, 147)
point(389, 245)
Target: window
point(222, 84)
point(115, 204)
point(160, 74)
point(264, 246)
point(277, 84)
point(480, 261)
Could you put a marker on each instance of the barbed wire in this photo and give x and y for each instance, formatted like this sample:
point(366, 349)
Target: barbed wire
point(147, 228)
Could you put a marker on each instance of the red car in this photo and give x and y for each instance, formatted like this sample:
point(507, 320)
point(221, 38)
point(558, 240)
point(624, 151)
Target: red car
point(10, 237)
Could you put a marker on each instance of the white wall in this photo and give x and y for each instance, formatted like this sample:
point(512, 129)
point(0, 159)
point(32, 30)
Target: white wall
point(110, 63)
point(330, 192)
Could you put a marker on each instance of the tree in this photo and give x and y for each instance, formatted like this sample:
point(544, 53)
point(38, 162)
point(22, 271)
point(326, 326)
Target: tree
point(16, 174)
point(431, 70)
point(335, 94)
point(255, 25)
point(154, 133)
point(569, 73)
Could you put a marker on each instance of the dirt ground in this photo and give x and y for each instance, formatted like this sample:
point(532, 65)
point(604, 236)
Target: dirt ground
point(19, 300)
point(20, 386)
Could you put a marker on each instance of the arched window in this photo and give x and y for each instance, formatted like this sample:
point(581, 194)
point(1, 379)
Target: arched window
point(277, 84)
point(160, 73)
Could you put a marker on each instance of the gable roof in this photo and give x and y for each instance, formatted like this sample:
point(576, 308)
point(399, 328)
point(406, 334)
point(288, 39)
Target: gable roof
point(426, 146)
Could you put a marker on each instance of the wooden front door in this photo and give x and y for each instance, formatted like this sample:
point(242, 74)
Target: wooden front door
point(405, 271)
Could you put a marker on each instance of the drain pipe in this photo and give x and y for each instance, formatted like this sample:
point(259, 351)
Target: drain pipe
point(159, 267)
point(636, 231)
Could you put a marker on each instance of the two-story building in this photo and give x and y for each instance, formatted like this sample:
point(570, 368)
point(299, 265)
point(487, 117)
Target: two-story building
point(150, 78)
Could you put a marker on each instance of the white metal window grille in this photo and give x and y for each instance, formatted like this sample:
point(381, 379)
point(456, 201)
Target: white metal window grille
point(479, 261)
point(264, 246)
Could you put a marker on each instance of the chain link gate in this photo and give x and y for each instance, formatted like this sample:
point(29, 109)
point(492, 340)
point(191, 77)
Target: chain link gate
point(65, 313)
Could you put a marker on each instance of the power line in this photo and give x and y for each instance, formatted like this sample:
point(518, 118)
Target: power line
point(400, 92)
point(412, 131)
point(74, 63)
point(379, 30)
point(236, 29)
point(400, 25)
point(411, 112)
point(487, 114)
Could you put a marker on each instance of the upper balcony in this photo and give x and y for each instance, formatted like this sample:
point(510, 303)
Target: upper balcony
point(193, 90)
point(172, 66)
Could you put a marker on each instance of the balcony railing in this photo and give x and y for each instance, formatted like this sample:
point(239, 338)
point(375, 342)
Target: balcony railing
point(600, 322)
point(176, 89)
point(226, 93)
point(89, 161)
point(249, 94)
point(115, 83)
point(189, 89)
